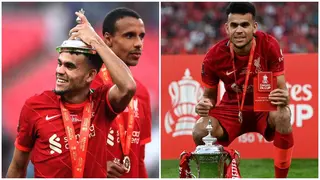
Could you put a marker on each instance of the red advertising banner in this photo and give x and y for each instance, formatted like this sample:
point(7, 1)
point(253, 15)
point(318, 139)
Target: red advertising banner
point(181, 89)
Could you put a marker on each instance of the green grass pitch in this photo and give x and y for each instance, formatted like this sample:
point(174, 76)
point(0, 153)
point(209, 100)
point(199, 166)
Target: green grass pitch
point(254, 168)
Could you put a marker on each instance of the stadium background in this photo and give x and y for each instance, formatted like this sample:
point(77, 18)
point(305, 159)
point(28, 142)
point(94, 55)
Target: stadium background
point(30, 33)
point(188, 30)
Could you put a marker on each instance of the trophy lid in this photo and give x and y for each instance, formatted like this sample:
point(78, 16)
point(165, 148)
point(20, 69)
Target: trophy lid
point(209, 147)
point(76, 45)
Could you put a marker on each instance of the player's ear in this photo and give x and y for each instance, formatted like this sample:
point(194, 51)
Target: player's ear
point(107, 38)
point(226, 28)
point(255, 27)
point(91, 75)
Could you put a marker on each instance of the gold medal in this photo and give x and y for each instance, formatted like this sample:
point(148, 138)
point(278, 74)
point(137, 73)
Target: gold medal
point(240, 117)
point(126, 163)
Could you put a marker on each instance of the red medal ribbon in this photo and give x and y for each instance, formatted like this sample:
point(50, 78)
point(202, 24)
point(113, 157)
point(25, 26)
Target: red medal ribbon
point(184, 167)
point(232, 170)
point(125, 139)
point(78, 150)
point(247, 74)
point(104, 75)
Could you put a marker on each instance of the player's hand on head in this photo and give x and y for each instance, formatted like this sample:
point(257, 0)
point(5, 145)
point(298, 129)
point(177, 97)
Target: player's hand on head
point(203, 107)
point(84, 31)
point(83, 18)
point(279, 97)
point(114, 170)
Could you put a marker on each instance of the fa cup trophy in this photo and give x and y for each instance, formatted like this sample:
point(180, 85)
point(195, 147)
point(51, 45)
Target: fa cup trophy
point(212, 160)
point(76, 45)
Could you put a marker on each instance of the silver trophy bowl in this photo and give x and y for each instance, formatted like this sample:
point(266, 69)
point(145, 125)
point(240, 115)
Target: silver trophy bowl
point(76, 45)
point(210, 158)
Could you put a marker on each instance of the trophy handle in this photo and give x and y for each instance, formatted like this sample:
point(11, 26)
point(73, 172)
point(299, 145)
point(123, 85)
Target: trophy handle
point(228, 158)
point(224, 160)
point(193, 158)
point(198, 168)
point(184, 167)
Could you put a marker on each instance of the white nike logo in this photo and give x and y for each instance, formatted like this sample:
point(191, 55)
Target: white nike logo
point(51, 117)
point(228, 73)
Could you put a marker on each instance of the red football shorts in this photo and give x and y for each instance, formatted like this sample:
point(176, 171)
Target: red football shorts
point(252, 122)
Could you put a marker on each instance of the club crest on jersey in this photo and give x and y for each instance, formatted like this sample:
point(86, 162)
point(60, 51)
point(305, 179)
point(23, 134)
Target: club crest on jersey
point(135, 108)
point(257, 64)
point(185, 94)
point(281, 58)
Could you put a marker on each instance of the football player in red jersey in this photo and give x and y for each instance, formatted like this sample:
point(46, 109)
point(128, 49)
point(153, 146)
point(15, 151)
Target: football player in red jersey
point(124, 31)
point(246, 51)
point(51, 123)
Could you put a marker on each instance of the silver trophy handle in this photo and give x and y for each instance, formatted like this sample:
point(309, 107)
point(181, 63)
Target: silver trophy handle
point(78, 20)
point(76, 45)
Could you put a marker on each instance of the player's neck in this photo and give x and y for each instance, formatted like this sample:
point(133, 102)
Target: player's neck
point(76, 98)
point(244, 50)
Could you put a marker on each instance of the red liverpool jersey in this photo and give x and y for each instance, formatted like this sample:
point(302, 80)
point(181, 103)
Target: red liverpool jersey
point(41, 130)
point(217, 65)
point(141, 134)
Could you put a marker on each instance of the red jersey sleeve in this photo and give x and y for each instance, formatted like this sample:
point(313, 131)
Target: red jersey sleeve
point(102, 93)
point(146, 123)
point(26, 130)
point(208, 75)
point(275, 57)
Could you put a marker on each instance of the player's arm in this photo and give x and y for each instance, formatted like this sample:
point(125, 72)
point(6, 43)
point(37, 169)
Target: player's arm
point(23, 144)
point(280, 95)
point(19, 164)
point(124, 87)
point(210, 81)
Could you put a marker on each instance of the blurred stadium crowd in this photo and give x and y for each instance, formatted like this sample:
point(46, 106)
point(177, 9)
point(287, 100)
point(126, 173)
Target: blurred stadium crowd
point(30, 33)
point(193, 27)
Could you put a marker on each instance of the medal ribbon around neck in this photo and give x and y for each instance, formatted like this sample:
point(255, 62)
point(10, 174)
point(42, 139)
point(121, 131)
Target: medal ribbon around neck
point(125, 138)
point(78, 150)
point(247, 75)
point(105, 75)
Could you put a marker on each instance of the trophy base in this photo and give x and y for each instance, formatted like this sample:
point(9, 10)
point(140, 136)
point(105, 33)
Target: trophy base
point(209, 166)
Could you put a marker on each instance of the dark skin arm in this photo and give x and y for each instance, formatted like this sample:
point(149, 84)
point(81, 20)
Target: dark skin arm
point(124, 86)
point(19, 164)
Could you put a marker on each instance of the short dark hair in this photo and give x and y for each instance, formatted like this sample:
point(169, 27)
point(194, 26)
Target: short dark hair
point(113, 16)
point(94, 60)
point(241, 8)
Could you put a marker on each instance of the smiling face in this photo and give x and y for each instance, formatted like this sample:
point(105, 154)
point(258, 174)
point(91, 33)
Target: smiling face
point(240, 29)
point(73, 74)
point(127, 41)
